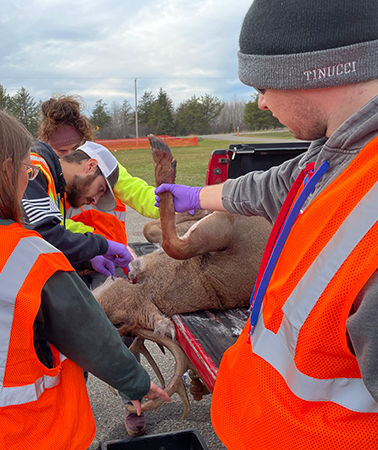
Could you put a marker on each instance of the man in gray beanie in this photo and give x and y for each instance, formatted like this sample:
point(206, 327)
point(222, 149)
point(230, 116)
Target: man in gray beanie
point(303, 374)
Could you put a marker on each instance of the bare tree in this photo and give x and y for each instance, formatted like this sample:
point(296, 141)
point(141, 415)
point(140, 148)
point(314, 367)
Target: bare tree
point(231, 117)
point(122, 116)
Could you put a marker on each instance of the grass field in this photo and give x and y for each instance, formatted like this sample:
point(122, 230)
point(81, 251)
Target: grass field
point(191, 162)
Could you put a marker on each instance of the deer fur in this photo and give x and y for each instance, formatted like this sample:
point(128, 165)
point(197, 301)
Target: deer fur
point(219, 258)
point(152, 229)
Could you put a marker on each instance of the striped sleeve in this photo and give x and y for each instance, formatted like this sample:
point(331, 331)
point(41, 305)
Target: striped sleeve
point(40, 208)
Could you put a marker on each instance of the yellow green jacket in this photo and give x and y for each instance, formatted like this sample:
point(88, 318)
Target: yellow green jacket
point(136, 193)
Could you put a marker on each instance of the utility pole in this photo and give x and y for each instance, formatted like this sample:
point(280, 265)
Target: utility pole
point(136, 110)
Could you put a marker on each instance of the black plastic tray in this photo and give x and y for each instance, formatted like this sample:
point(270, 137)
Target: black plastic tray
point(142, 248)
point(178, 440)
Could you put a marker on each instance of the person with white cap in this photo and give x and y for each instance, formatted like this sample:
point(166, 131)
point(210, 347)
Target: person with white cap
point(86, 176)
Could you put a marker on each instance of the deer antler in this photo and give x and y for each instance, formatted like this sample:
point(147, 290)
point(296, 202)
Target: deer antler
point(176, 384)
point(138, 347)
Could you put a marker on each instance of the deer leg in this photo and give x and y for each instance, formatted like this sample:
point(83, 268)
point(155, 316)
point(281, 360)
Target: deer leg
point(200, 239)
point(197, 388)
point(165, 172)
point(165, 165)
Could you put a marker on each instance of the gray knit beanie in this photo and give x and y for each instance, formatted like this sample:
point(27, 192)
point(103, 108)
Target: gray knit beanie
point(309, 44)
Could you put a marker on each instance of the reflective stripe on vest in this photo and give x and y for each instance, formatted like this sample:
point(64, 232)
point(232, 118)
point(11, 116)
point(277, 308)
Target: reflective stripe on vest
point(12, 278)
point(42, 164)
point(279, 349)
point(119, 212)
point(121, 215)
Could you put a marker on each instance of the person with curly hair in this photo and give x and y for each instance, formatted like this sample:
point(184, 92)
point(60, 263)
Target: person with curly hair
point(63, 126)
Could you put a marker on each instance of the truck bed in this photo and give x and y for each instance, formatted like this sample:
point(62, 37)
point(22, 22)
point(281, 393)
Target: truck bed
point(205, 335)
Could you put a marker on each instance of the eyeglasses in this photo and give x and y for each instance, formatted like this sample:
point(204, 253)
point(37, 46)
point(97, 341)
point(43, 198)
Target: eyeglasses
point(260, 91)
point(32, 171)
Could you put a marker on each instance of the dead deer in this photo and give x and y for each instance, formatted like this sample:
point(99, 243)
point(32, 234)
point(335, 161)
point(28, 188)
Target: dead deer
point(213, 264)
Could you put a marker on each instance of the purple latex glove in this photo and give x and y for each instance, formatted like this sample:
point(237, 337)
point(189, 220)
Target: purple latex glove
point(118, 254)
point(103, 265)
point(185, 198)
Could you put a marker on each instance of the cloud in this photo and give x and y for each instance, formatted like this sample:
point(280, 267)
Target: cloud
point(97, 49)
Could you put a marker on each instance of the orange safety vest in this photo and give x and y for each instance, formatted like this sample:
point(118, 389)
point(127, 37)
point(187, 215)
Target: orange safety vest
point(297, 385)
point(111, 224)
point(40, 408)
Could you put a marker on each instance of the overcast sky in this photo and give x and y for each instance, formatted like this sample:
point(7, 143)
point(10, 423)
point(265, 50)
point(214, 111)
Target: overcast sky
point(97, 48)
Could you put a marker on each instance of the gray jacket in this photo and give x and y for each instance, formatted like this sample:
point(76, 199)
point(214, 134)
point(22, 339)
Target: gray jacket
point(263, 193)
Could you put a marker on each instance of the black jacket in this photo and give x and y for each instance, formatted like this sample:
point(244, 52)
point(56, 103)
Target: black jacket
point(43, 215)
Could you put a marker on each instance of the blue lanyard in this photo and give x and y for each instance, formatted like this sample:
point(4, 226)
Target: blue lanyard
point(256, 300)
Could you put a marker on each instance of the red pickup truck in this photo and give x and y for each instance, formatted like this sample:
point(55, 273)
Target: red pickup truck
point(240, 159)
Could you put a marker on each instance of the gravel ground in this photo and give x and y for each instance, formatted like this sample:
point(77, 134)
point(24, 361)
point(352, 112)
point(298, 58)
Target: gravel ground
point(108, 408)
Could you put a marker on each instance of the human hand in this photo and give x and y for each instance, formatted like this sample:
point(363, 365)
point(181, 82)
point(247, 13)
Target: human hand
point(103, 265)
point(154, 392)
point(118, 254)
point(185, 198)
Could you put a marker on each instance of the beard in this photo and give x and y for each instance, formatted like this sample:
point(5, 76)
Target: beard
point(77, 192)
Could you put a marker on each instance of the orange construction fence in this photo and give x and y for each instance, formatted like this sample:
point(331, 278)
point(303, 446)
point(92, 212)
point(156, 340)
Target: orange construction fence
point(133, 144)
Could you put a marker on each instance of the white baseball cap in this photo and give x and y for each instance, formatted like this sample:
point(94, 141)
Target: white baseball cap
point(108, 166)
